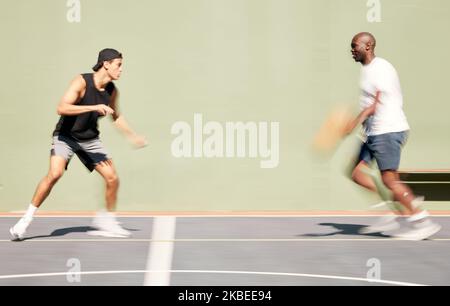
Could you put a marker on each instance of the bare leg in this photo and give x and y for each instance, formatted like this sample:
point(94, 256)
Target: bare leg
point(56, 171)
point(57, 167)
point(108, 172)
point(106, 222)
point(421, 227)
point(362, 178)
point(401, 192)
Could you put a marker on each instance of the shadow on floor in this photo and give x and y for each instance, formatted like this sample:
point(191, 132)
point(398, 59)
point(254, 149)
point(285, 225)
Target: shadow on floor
point(344, 229)
point(69, 230)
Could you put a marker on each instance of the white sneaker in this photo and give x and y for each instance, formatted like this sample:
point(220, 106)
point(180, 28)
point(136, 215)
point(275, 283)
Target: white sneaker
point(420, 231)
point(19, 230)
point(383, 224)
point(107, 226)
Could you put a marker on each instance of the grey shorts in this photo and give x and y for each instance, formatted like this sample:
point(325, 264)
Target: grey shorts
point(90, 153)
point(386, 149)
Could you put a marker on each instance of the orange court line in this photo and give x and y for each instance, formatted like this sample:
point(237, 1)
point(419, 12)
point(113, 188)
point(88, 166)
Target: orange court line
point(218, 213)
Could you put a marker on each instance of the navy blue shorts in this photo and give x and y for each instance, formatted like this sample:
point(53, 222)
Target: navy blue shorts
point(386, 149)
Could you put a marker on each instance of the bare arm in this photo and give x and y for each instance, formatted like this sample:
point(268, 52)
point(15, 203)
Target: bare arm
point(67, 106)
point(366, 113)
point(122, 125)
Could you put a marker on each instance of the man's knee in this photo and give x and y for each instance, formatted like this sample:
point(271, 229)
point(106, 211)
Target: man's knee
point(112, 180)
point(389, 180)
point(355, 175)
point(358, 175)
point(54, 175)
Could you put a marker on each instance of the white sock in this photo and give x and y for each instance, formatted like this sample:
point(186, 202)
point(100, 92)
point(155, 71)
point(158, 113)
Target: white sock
point(111, 215)
point(418, 202)
point(30, 212)
point(423, 215)
point(103, 214)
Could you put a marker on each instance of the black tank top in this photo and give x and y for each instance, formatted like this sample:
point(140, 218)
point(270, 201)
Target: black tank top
point(84, 127)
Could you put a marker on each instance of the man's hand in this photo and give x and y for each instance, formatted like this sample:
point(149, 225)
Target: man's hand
point(366, 113)
point(138, 141)
point(103, 110)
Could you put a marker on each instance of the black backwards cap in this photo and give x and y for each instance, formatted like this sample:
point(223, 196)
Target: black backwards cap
point(106, 55)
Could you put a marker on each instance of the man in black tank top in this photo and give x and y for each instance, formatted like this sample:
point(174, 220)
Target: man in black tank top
point(89, 97)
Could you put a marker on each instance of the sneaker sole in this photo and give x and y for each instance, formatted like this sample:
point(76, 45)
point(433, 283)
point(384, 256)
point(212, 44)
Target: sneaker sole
point(106, 234)
point(435, 230)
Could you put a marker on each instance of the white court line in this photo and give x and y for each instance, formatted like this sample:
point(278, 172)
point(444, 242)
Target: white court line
point(160, 252)
point(168, 241)
point(358, 279)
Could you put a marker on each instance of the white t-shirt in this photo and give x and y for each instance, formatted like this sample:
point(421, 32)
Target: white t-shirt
point(389, 117)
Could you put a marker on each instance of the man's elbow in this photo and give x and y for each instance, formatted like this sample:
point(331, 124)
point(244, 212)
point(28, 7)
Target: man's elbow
point(60, 110)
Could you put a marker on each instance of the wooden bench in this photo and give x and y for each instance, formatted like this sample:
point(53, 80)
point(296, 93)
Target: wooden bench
point(433, 184)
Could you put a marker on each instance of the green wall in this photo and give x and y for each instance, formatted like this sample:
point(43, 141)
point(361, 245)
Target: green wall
point(285, 61)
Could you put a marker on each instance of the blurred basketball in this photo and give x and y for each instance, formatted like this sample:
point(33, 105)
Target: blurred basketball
point(332, 131)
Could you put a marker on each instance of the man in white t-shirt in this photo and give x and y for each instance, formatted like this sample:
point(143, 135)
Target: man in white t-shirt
point(386, 131)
